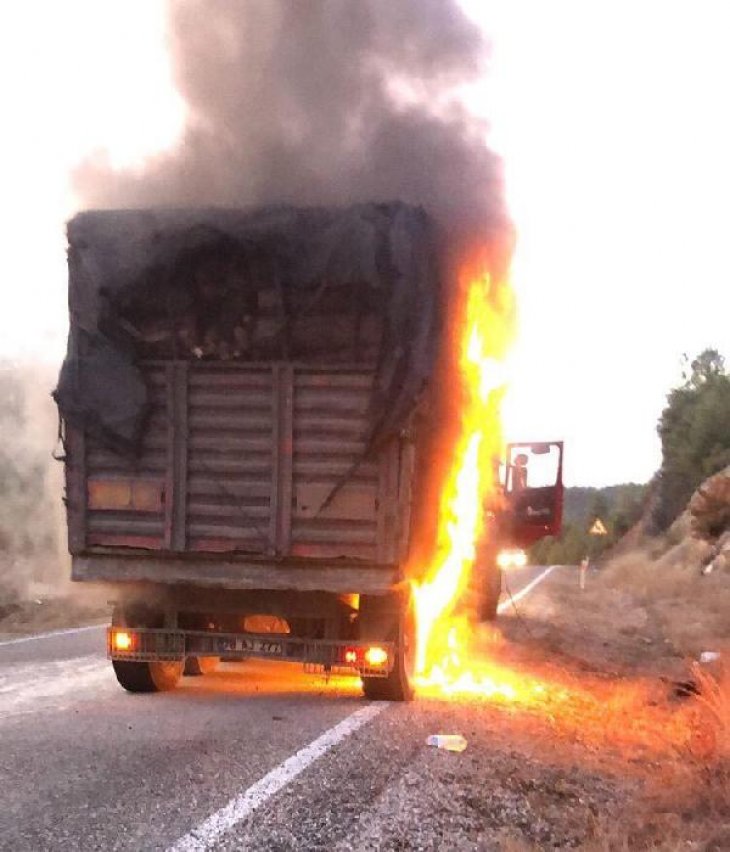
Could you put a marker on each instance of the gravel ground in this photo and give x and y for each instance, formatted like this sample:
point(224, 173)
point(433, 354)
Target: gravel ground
point(604, 760)
point(594, 750)
point(386, 789)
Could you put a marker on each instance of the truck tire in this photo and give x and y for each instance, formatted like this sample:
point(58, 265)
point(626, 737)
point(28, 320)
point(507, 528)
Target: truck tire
point(144, 677)
point(197, 666)
point(485, 584)
point(147, 677)
point(380, 621)
point(490, 593)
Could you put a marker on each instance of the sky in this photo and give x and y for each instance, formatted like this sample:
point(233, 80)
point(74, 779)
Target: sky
point(610, 116)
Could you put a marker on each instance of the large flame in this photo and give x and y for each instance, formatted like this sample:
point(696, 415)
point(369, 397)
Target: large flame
point(483, 331)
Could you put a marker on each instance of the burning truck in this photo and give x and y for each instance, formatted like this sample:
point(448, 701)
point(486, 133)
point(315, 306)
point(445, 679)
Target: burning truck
point(247, 407)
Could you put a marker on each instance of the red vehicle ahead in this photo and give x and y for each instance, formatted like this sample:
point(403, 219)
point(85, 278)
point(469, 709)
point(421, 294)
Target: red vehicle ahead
point(531, 508)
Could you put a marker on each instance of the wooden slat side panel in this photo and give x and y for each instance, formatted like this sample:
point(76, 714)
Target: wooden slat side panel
point(407, 466)
point(388, 504)
point(170, 430)
point(101, 460)
point(249, 457)
point(275, 477)
point(285, 452)
point(76, 461)
point(230, 459)
point(121, 522)
point(335, 489)
point(140, 520)
point(179, 439)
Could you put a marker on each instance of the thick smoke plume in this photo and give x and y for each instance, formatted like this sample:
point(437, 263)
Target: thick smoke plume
point(321, 102)
point(312, 102)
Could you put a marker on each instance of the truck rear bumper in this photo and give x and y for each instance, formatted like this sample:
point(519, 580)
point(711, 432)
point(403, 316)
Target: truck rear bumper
point(161, 645)
point(228, 572)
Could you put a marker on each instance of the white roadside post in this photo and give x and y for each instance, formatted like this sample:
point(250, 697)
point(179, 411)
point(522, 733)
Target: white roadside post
point(583, 572)
point(597, 528)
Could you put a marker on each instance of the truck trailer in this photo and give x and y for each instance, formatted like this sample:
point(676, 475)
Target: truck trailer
point(242, 406)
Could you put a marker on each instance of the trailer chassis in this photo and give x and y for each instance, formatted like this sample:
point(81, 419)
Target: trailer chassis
point(147, 645)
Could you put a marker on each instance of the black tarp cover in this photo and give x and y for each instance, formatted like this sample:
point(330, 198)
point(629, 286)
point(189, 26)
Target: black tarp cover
point(383, 254)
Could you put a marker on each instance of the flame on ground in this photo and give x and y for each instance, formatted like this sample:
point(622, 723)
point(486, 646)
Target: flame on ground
point(483, 333)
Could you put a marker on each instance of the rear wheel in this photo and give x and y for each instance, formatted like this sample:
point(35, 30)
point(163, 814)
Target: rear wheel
point(197, 666)
point(386, 619)
point(144, 677)
point(147, 677)
point(490, 593)
point(485, 583)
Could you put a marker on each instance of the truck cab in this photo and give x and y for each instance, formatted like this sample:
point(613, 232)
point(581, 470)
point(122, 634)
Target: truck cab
point(527, 508)
point(533, 492)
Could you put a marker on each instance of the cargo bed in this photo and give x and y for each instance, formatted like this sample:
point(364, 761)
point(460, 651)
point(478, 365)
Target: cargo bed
point(250, 476)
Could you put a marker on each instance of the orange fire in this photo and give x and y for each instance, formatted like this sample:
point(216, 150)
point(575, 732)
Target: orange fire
point(484, 329)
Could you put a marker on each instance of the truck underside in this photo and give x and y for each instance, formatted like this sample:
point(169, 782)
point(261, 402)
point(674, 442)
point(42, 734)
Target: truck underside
point(158, 632)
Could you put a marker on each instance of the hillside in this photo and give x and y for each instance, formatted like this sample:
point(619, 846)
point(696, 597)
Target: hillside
point(583, 503)
point(683, 575)
point(618, 506)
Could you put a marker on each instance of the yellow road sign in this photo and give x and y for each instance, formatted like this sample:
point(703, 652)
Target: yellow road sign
point(598, 528)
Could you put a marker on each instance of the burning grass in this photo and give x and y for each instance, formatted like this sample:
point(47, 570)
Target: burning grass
point(712, 726)
point(620, 716)
point(614, 664)
point(659, 762)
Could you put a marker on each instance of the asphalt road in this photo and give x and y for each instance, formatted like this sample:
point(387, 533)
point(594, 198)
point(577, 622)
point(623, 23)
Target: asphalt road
point(256, 756)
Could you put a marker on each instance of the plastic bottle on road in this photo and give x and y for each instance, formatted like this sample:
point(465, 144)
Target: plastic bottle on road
point(449, 742)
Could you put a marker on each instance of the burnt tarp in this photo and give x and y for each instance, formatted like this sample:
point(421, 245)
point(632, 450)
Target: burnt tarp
point(313, 285)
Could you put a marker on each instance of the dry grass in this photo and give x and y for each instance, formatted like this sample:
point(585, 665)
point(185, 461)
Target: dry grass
point(714, 696)
point(615, 650)
point(684, 756)
point(692, 609)
point(689, 803)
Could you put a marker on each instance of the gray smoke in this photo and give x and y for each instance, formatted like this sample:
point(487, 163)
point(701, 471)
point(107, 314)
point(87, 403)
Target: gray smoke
point(32, 529)
point(321, 102)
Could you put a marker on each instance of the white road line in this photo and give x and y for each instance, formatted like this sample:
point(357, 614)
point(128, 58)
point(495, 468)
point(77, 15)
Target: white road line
point(528, 588)
point(50, 635)
point(205, 835)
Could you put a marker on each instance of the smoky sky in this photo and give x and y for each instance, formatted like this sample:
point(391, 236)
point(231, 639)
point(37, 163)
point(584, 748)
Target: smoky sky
point(320, 102)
